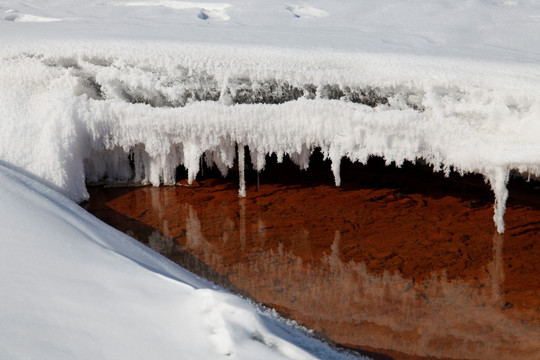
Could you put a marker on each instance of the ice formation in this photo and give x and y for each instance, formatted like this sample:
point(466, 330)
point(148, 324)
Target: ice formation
point(73, 114)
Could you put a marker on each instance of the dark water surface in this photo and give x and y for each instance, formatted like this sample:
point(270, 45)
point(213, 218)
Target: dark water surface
point(401, 263)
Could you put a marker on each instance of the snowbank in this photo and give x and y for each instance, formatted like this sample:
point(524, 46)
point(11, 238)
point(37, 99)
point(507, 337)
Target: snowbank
point(73, 287)
point(120, 111)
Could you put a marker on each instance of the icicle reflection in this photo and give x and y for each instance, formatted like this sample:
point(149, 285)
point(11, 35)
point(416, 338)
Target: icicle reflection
point(437, 317)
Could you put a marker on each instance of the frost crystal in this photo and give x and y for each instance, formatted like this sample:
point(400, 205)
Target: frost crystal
point(72, 115)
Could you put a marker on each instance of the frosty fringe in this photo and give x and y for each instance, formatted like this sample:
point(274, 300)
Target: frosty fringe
point(73, 115)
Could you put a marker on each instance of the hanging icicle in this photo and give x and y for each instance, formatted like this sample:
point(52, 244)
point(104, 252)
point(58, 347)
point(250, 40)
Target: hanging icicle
point(241, 171)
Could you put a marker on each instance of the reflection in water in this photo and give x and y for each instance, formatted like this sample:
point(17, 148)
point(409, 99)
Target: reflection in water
point(436, 317)
point(458, 317)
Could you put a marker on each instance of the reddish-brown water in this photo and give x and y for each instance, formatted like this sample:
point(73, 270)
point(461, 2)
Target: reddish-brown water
point(401, 263)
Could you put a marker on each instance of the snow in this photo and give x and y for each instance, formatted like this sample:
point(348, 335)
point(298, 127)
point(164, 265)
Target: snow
point(306, 11)
point(207, 10)
point(125, 91)
point(76, 113)
point(73, 287)
point(13, 16)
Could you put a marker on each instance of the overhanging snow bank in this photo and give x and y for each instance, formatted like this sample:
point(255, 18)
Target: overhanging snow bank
point(129, 112)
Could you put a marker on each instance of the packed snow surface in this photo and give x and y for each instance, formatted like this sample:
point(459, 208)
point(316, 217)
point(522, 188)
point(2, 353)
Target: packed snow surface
point(128, 90)
point(74, 288)
point(502, 30)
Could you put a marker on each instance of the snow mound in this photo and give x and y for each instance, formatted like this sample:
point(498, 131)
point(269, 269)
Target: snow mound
point(177, 5)
point(73, 287)
point(115, 112)
point(306, 11)
point(207, 10)
point(13, 15)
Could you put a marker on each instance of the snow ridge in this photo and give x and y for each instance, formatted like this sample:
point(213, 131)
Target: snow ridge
point(133, 113)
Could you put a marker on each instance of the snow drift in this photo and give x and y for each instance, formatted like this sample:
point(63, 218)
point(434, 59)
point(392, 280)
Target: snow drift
point(128, 112)
point(73, 287)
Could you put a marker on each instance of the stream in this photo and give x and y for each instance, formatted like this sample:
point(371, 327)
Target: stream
point(399, 263)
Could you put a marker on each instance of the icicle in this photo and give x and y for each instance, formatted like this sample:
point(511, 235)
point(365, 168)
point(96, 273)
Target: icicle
point(241, 170)
point(280, 154)
point(213, 158)
point(139, 160)
point(223, 156)
point(258, 158)
point(335, 157)
point(168, 170)
point(498, 178)
point(301, 158)
point(336, 169)
point(191, 161)
point(170, 163)
point(208, 159)
point(155, 170)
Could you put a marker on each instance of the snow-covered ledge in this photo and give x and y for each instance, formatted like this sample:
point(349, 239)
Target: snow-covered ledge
point(116, 112)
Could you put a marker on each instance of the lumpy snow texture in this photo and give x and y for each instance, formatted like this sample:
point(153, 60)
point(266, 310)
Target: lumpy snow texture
point(74, 288)
point(73, 114)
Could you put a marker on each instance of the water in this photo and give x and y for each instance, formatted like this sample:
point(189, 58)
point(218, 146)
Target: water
point(402, 268)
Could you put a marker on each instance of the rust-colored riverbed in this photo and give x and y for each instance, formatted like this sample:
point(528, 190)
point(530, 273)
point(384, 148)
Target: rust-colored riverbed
point(400, 263)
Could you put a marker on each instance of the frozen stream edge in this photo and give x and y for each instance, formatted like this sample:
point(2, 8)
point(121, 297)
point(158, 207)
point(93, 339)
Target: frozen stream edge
point(74, 114)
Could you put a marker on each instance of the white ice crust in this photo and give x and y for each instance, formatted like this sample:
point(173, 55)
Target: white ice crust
point(74, 114)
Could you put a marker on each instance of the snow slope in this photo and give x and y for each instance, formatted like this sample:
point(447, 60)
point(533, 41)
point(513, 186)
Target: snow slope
point(74, 288)
point(85, 84)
